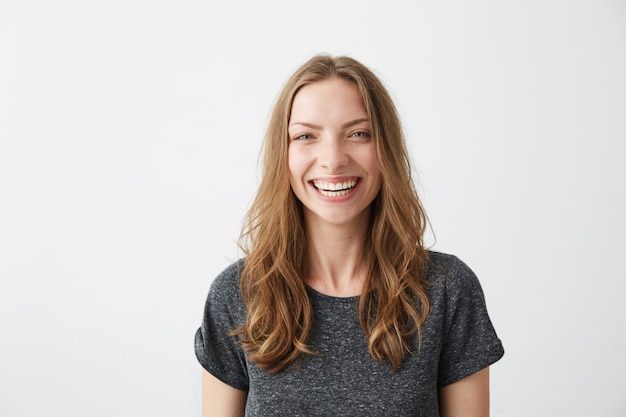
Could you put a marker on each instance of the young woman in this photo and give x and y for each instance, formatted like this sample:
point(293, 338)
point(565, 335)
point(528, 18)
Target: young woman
point(337, 308)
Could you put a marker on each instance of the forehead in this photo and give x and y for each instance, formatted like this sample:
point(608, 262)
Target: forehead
point(331, 99)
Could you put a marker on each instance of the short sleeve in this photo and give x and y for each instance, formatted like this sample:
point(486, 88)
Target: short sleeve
point(216, 348)
point(470, 342)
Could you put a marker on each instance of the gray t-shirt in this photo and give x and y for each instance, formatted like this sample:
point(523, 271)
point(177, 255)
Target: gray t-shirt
point(457, 340)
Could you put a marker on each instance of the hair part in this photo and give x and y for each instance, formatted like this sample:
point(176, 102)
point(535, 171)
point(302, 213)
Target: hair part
point(279, 312)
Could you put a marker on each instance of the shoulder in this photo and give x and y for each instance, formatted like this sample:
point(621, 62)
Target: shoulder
point(450, 278)
point(459, 315)
point(450, 270)
point(225, 286)
point(448, 263)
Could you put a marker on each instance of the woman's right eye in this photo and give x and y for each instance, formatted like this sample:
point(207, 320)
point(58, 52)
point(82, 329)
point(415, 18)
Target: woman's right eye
point(302, 137)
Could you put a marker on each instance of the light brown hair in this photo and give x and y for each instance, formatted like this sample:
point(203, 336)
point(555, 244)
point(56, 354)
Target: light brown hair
point(279, 312)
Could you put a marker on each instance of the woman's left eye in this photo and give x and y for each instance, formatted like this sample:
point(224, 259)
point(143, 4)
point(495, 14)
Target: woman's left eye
point(361, 134)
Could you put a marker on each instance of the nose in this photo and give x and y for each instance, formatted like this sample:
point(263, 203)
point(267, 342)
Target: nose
point(333, 155)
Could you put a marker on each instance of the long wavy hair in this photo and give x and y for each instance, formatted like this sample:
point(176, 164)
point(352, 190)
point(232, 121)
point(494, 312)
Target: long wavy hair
point(279, 312)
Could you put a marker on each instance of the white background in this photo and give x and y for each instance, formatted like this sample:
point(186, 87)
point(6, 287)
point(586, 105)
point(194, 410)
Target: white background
point(129, 136)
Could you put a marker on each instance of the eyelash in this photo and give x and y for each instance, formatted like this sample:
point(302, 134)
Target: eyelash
point(303, 137)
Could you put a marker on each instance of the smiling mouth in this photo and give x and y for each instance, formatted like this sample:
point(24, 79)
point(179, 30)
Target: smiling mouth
point(335, 189)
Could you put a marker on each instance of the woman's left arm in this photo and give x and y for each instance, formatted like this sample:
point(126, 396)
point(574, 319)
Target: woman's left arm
point(468, 397)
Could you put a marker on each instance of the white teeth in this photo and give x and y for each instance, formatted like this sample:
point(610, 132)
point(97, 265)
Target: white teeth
point(334, 193)
point(334, 186)
point(334, 189)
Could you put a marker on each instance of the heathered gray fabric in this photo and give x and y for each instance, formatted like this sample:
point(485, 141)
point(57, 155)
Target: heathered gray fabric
point(458, 340)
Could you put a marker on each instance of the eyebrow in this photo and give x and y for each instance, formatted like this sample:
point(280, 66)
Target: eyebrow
point(343, 126)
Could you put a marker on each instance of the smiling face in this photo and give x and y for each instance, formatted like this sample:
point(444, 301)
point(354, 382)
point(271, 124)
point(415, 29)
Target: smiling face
point(333, 169)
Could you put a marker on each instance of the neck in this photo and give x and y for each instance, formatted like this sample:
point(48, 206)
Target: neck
point(336, 265)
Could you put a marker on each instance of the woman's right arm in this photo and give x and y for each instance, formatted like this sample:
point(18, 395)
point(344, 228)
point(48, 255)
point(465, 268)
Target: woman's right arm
point(220, 399)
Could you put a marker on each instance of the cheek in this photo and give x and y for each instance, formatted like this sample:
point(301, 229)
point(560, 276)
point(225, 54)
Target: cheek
point(296, 163)
point(373, 163)
point(370, 161)
point(373, 168)
point(291, 163)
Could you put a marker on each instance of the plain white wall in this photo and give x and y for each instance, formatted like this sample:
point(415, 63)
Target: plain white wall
point(129, 134)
